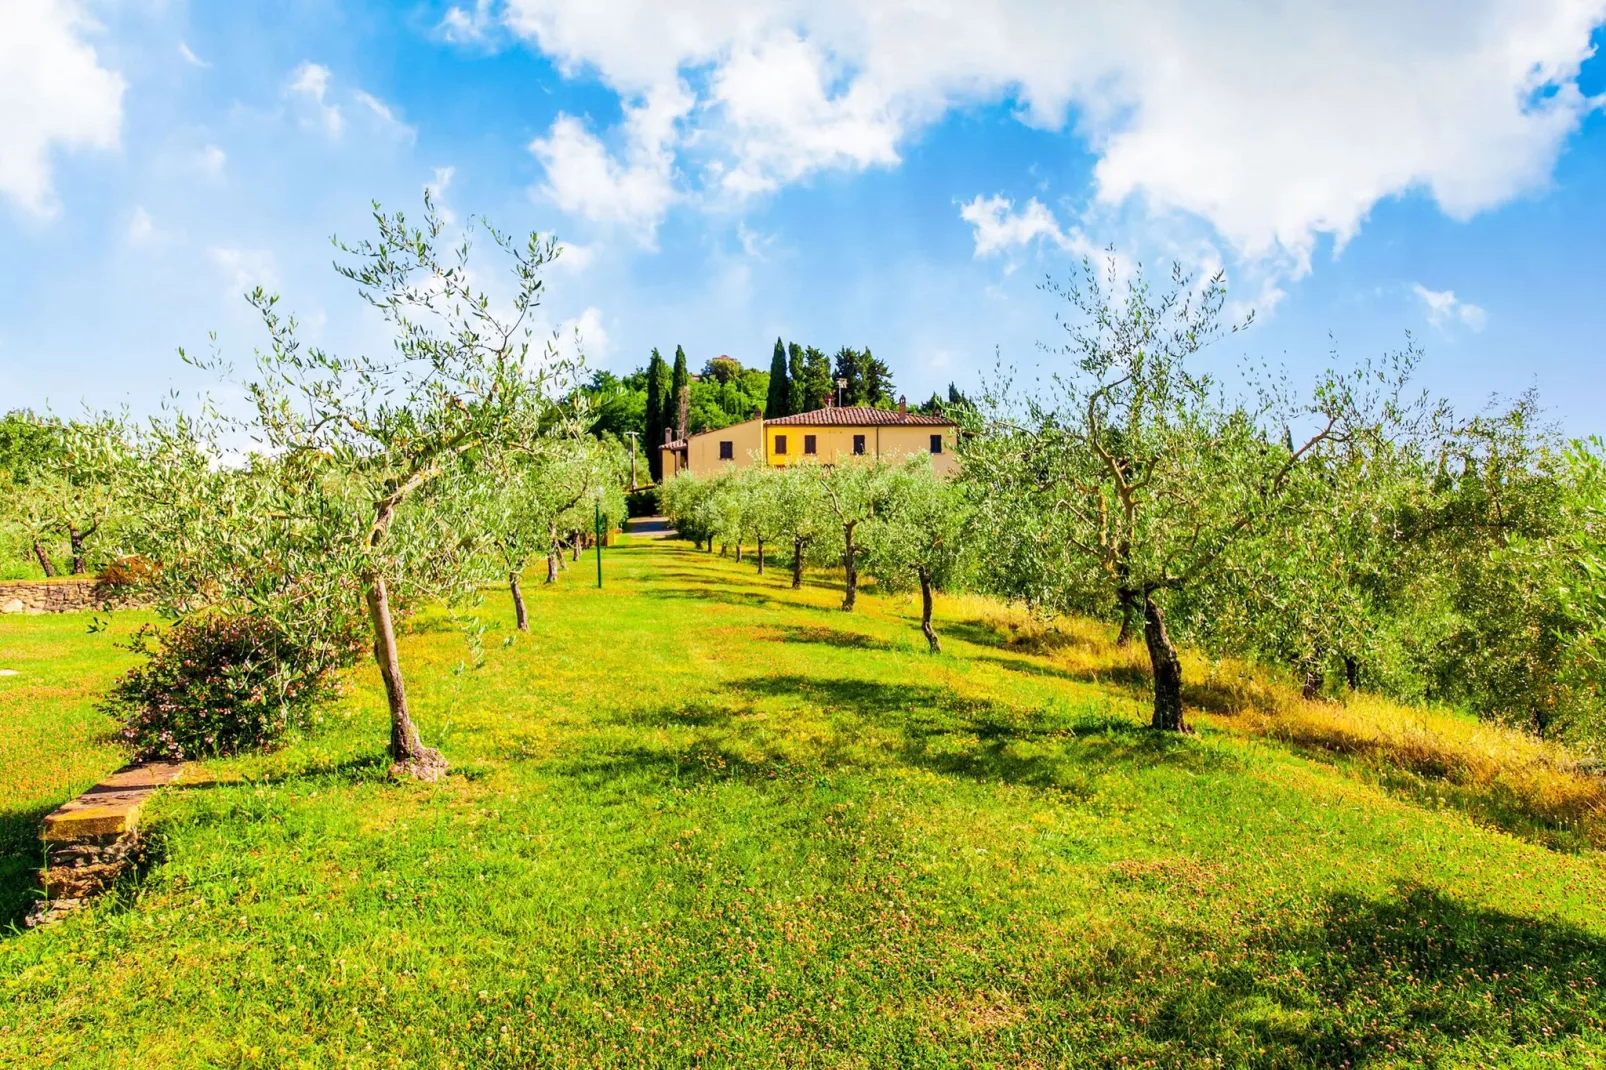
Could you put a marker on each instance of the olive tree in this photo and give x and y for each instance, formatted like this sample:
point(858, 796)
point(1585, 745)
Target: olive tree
point(849, 492)
point(339, 506)
point(1134, 464)
point(800, 512)
point(916, 536)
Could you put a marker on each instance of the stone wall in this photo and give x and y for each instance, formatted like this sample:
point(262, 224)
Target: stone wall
point(56, 596)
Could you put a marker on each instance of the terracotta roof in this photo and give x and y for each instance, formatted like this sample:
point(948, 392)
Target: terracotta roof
point(860, 416)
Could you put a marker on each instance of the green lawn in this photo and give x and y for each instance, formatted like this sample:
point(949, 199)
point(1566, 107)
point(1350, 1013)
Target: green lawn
point(697, 818)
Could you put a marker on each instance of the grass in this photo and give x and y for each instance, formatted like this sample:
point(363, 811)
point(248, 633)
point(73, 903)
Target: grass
point(697, 819)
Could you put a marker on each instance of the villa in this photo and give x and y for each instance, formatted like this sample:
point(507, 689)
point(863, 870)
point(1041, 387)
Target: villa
point(823, 435)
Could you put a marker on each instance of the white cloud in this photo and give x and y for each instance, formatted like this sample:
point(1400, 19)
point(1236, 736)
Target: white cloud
point(437, 193)
point(999, 227)
point(141, 229)
point(584, 334)
point(311, 81)
point(211, 161)
point(585, 179)
point(575, 258)
point(1446, 310)
point(53, 93)
point(245, 269)
point(462, 25)
point(387, 118)
point(1277, 124)
point(191, 58)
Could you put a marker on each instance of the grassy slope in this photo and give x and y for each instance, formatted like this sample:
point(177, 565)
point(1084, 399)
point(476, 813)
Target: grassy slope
point(700, 818)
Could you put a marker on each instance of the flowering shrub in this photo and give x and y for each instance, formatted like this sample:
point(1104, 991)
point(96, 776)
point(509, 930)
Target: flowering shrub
point(215, 685)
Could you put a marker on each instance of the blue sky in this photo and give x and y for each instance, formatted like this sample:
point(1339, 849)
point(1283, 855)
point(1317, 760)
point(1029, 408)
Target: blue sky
point(868, 173)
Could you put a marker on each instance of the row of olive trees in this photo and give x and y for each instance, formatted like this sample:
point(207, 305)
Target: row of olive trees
point(1356, 530)
point(897, 521)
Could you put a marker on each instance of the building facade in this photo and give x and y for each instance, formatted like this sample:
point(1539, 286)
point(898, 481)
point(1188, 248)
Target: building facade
point(824, 436)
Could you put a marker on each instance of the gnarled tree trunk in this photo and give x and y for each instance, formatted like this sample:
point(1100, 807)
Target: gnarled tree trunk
point(925, 612)
point(1167, 669)
point(577, 541)
point(1129, 616)
point(797, 562)
point(552, 566)
point(738, 552)
point(1352, 673)
point(44, 560)
point(518, 600)
point(761, 555)
point(76, 539)
point(851, 564)
point(409, 756)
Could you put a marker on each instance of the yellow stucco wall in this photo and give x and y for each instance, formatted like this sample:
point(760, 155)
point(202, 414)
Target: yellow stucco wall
point(746, 439)
point(833, 443)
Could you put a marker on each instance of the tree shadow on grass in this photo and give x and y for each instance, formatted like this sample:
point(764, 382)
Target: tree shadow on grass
point(701, 763)
point(1211, 696)
point(834, 637)
point(1396, 980)
point(22, 854)
point(982, 633)
point(980, 739)
point(721, 595)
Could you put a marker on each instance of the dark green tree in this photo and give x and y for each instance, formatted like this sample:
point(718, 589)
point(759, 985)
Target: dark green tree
point(658, 382)
point(678, 386)
point(848, 368)
point(814, 384)
point(796, 401)
point(780, 393)
point(878, 388)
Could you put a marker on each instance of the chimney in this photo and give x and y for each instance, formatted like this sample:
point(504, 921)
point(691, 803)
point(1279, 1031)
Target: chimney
point(903, 404)
point(666, 436)
point(830, 402)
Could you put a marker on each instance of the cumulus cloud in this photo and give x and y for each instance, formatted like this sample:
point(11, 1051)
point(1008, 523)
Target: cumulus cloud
point(54, 93)
point(584, 178)
point(310, 81)
point(211, 161)
point(584, 334)
point(461, 25)
point(1277, 124)
point(999, 227)
point(244, 269)
point(1446, 310)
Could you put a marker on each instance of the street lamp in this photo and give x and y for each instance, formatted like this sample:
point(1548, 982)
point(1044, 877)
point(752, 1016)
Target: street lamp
point(633, 436)
point(598, 503)
point(841, 385)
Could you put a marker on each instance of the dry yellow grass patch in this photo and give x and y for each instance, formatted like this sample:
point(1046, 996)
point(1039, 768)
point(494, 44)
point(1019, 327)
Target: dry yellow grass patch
point(1443, 756)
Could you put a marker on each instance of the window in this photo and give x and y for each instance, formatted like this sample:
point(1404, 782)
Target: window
point(808, 445)
point(780, 445)
point(936, 443)
point(727, 451)
point(858, 445)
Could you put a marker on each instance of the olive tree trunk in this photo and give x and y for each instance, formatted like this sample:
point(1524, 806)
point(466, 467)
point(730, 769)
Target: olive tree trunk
point(851, 564)
point(797, 562)
point(1315, 681)
point(518, 600)
point(761, 555)
point(44, 560)
point(76, 539)
point(552, 566)
point(409, 756)
point(1167, 669)
point(738, 552)
point(925, 612)
point(1129, 617)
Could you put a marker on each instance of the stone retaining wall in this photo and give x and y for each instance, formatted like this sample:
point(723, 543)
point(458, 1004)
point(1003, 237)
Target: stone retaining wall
point(56, 596)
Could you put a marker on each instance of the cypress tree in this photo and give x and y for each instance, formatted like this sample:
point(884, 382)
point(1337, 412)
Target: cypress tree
point(878, 388)
point(796, 402)
point(779, 401)
point(653, 432)
point(677, 384)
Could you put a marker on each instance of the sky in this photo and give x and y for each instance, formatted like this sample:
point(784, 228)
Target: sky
point(839, 172)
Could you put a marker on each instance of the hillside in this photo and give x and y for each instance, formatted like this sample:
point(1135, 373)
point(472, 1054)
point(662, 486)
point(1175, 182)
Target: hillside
point(699, 818)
